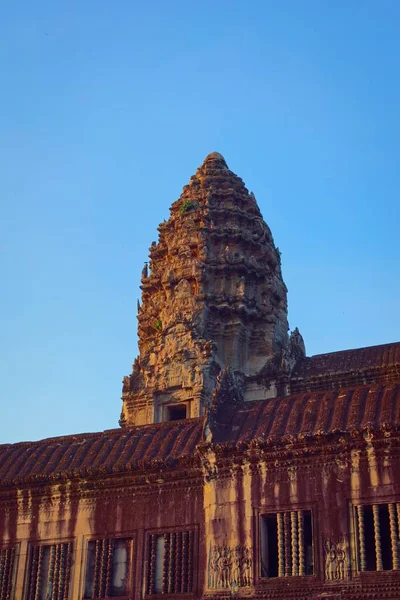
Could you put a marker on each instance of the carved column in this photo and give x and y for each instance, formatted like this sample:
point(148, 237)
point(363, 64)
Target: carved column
point(6, 572)
point(394, 538)
point(361, 537)
point(190, 562)
point(57, 571)
point(184, 586)
point(96, 575)
point(67, 572)
point(39, 573)
point(398, 518)
point(286, 527)
point(33, 572)
point(152, 564)
point(377, 532)
point(295, 566)
point(108, 573)
point(165, 568)
point(301, 542)
point(281, 546)
point(178, 561)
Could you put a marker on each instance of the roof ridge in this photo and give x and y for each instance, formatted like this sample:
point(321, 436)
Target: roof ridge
point(354, 349)
point(98, 434)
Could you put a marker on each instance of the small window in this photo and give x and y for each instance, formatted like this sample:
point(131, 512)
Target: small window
point(7, 568)
point(170, 559)
point(176, 412)
point(286, 544)
point(107, 568)
point(378, 534)
point(50, 571)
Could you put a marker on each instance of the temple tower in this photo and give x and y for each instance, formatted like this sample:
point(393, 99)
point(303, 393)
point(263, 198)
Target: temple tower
point(213, 299)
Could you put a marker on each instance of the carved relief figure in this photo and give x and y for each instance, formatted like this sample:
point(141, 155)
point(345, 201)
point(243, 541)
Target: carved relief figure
point(340, 559)
point(226, 565)
point(330, 561)
point(213, 568)
point(335, 559)
point(229, 568)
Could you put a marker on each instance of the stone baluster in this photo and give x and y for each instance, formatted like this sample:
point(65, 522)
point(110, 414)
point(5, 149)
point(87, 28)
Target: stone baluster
point(102, 567)
point(97, 561)
point(39, 573)
point(171, 563)
point(57, 561)
point(65, 592)
point(11, 556)
point(190, 561)
point(33, 572)
point(167, 537)
point(152, 566)
point(178, 561)
point(61, 578)
point(286, 529)
point(184, 561)
point(108, 572)
point(6, 571)
point(52, 561)
point(301, 542)
point(281, 546)
point(377, 533)
point(3, 572)
point(394, 538)
point(293, 522)
point(361, 537)
point(398, 519)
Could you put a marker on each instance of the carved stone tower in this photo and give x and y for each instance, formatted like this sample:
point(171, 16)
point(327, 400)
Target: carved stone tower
point(213, 299)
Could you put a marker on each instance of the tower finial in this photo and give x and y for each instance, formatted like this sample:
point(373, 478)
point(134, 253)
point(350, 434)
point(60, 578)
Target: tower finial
point(215, 157)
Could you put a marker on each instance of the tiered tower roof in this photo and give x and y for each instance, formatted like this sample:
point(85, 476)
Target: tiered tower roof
point(213, 298)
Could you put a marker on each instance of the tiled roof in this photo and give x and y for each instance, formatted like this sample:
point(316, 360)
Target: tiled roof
point(95, 453)
point(348, 367)
point(152, 446)
point(317, 413)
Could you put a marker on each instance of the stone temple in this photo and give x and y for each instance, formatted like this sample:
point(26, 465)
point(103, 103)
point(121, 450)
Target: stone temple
point(242, 467)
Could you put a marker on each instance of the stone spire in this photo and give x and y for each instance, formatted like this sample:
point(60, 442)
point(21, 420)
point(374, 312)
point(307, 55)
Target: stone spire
point(213, 298)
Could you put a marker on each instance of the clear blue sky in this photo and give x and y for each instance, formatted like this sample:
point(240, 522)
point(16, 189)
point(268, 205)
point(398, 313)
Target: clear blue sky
point(107, 108)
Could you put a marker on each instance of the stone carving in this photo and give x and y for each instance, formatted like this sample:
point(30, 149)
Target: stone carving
point(335, 560)
point(228, 389)
point(297, 348)
point(229, 567)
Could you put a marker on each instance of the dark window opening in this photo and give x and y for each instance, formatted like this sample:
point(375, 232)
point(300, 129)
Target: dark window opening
point(49, 571)
point(107, 568)
point(170, 563)
point(176, 412)
point(286, 544)
point(377, 532)
point(369, 535)
point(308, 544)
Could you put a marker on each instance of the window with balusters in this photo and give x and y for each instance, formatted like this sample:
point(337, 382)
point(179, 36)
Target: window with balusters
point(170, 562)
point(49, 571)
point(8, 564)
point(377, 529)
point(108, 568)
point(286, 544)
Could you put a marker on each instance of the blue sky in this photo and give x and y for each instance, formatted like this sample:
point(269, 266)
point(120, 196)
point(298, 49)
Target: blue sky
point(107, 108)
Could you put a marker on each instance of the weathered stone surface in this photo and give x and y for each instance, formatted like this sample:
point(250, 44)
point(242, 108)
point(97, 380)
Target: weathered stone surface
point(213, 297)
